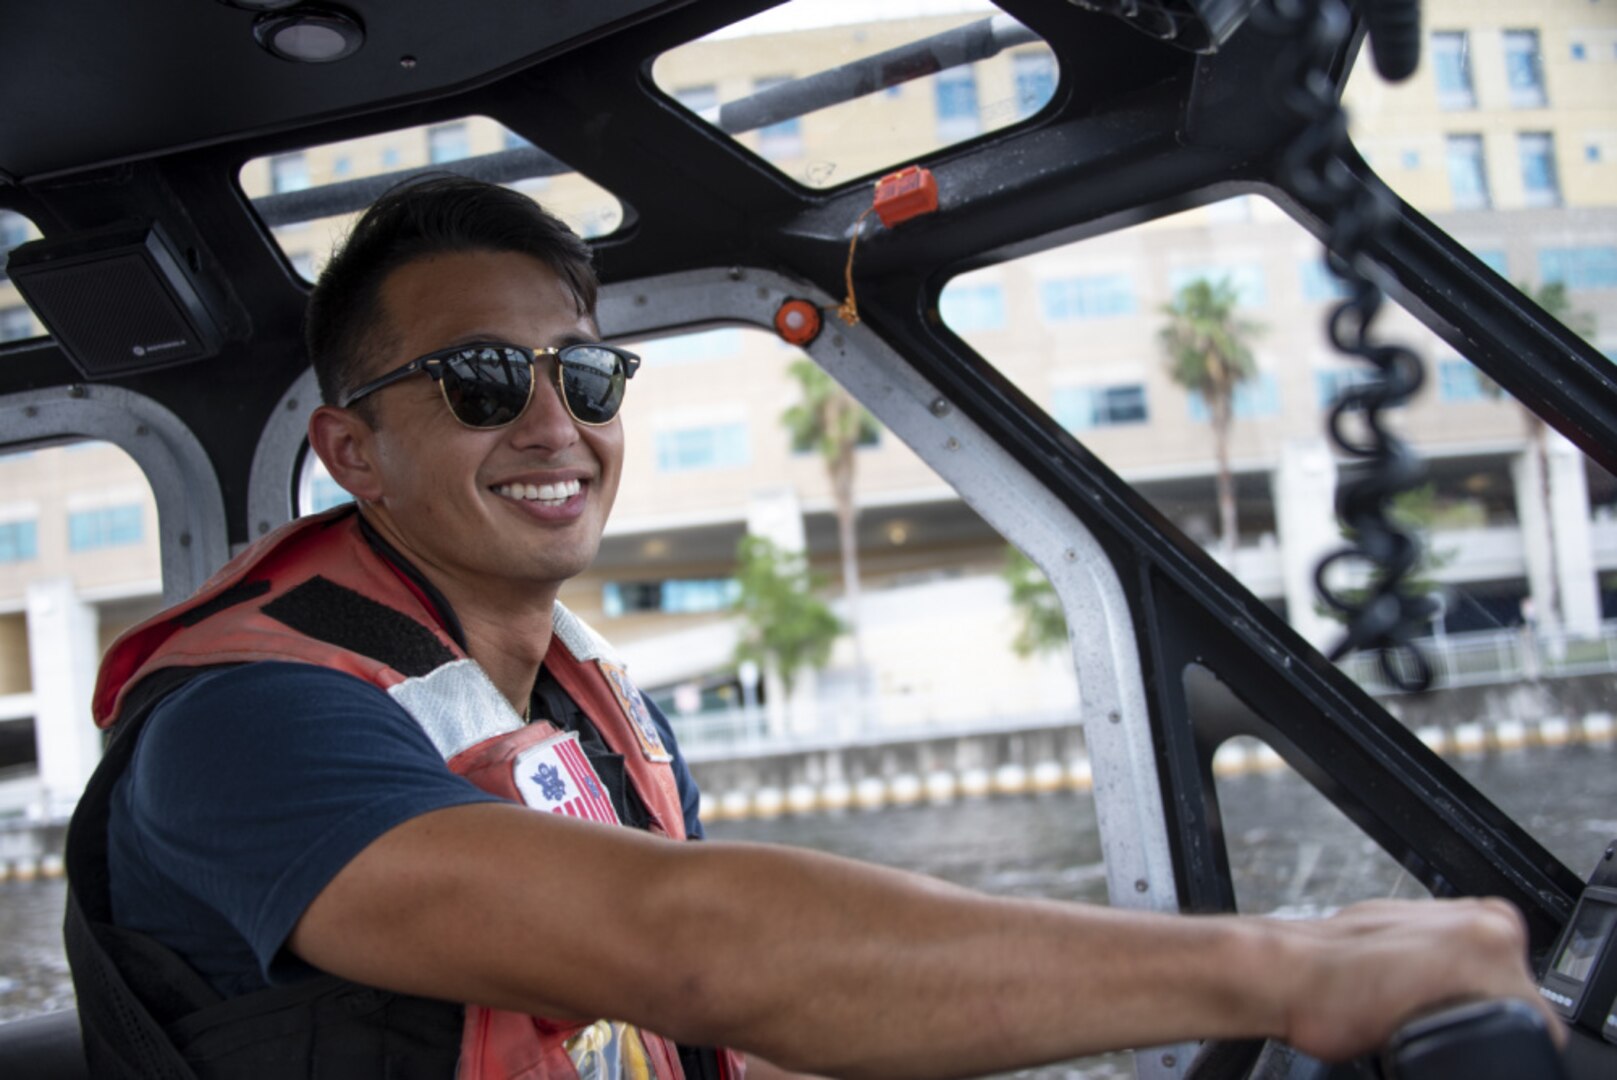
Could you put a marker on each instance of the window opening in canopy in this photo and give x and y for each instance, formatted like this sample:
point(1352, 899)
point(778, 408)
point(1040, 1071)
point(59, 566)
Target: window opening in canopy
point(309, 198)
point(826, 97)
point(1521, 528)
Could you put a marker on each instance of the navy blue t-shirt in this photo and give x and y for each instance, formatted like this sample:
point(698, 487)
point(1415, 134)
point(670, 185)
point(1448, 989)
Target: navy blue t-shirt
point(249, 789)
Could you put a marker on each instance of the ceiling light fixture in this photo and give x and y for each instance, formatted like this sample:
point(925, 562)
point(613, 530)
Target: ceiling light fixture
point(309, 35)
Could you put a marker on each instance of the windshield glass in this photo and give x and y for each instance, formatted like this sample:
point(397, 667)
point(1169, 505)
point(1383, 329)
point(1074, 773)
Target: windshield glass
point(827, 92)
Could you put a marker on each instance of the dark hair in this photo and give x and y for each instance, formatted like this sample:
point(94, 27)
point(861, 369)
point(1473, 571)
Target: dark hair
point(440, 215)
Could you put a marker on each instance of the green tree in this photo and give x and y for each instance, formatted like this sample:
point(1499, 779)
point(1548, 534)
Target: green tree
point(1043, 625)
point(786, 627)
point(1209, 352)
point(1552, 297)
point(827, 418)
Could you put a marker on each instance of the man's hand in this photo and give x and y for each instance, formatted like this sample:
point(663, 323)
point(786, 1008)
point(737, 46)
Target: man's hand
point(1371, 968)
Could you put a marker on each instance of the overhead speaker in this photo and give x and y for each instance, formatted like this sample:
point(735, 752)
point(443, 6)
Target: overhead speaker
point(117, 300)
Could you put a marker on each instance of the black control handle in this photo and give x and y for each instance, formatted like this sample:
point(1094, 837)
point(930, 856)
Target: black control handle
point(1484, 1040)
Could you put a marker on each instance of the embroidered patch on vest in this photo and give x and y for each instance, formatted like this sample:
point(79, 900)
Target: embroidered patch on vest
point(555, 775)
point(326, 611)
point(634, 707)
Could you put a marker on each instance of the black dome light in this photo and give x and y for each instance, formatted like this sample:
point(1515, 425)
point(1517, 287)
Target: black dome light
point(309, 35)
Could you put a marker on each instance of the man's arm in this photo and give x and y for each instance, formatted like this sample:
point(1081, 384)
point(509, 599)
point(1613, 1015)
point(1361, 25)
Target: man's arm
point(843, 968)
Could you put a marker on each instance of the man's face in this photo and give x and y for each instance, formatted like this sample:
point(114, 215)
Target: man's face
point(457, 498)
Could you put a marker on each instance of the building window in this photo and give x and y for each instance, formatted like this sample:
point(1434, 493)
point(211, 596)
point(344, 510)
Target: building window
point(341, 166)
point(448, 142)
point(1319, 284)
point(390, 156)
point(289, 172)
point(967, 307)
point(1079, 408)
point(1410, 159)
point(1451, 61)
point(717, 446)
point(1591, 153)
point(16, 323)
point(1494, 259)
point(1251, 287)
point(1459, 381)
point(1253, 399)
point(1099, 296)
point(104, 527)
point(1579, 267)
point(1329, 384)
point(1035, 74)
point(676, 596)
point(955, 91)
point(703, 100)
point(1579, 52)
point(510, 140)
point(303, 265)
point(19, 541)
point(1468, 174)
point(1524, 69)
point(1540, 184)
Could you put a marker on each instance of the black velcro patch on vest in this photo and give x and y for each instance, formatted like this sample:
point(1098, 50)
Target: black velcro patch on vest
point(236, 594)
point(326, 611)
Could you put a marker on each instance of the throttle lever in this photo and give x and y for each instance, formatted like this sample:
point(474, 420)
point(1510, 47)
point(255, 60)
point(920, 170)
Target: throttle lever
point(1481, 1040)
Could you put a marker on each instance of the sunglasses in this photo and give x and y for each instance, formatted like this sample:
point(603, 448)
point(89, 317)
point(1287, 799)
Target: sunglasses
point(489, 385)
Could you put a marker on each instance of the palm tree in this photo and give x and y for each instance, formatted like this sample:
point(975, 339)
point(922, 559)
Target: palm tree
point(829, 419)
point(1208, 353)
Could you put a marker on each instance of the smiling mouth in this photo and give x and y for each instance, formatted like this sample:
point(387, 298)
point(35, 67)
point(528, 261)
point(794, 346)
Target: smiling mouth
point(543, 494)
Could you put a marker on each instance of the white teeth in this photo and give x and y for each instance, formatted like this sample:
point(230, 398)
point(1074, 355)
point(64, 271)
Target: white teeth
point(553, 494)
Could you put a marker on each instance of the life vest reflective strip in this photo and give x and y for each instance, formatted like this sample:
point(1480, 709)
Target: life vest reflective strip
point(314, 591)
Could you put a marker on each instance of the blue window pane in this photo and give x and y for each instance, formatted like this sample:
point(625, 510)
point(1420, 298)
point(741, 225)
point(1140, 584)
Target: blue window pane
point(1251, 287)
point(1410, 159)
point(1253, 399)
point(1494, 259)
point(967, 307)
point(1468, 176)
point(955, 94)
point(1579, 52)
point(1035, 75)
point(104, 527)
point(722, 446)
point(19, 541)
point(1330, 384)
point(1458, 381)
point(1591, 152)
point(1319, 283)
point(1079, 408)
point(1097, 297)
point(1579, 267)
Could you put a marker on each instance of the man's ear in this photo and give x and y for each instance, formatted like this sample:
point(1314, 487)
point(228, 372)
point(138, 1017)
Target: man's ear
point(346, 445)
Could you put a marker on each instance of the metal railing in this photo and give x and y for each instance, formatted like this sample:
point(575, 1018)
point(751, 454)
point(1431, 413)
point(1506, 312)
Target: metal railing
point(1480, 658)
point(1507, 655)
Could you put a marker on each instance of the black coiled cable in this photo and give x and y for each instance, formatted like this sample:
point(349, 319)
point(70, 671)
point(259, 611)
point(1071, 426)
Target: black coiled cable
point(1387, 614)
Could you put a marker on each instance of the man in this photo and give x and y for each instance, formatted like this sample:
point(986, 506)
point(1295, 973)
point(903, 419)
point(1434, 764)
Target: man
point(306, 865)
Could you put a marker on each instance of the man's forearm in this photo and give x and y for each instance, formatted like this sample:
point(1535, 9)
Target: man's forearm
point(842, 968)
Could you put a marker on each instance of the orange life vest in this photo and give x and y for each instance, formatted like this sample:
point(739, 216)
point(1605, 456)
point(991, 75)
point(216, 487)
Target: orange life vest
point(268, 603)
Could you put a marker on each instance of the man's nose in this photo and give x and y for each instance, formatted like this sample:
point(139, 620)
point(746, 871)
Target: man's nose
point(546, 422)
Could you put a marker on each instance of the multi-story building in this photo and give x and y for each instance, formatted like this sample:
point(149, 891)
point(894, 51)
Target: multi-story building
point(1506, 137)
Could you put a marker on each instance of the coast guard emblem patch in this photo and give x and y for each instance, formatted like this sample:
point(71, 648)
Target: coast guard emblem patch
point(556, 776)
point(634, 707)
